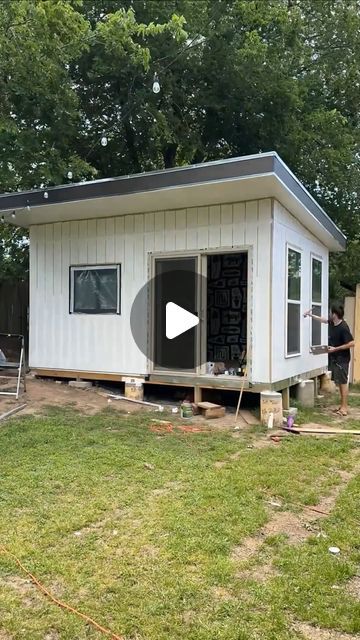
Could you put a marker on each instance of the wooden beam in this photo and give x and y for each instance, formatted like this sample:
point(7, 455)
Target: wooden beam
point(356, 369)
point(286, 398)
point(78, 375)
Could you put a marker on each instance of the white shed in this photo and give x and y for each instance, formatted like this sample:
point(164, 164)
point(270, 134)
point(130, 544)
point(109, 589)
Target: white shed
point(246, 224)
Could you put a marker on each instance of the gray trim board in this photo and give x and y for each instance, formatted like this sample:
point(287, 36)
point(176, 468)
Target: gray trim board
point(222, 170)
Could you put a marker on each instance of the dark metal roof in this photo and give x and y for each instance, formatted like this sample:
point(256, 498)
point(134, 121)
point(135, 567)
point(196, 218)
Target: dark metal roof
point(222, 170)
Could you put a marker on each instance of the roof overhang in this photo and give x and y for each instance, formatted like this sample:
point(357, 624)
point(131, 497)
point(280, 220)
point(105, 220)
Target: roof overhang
point(234, 180)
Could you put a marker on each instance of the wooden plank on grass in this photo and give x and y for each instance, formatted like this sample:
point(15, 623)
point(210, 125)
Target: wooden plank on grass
point(249, 417)
point(324, 431)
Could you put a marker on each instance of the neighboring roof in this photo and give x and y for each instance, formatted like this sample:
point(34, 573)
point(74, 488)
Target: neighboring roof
point(234, 179)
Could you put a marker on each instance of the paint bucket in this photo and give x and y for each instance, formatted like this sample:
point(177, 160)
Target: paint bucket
point(186, 410)
point(271, 403)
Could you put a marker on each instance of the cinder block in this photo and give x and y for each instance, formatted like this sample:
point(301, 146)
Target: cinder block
point(80, 384)
point(305, 393)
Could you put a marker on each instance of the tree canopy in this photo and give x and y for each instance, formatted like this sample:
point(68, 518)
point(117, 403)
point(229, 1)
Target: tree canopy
point(236, 77)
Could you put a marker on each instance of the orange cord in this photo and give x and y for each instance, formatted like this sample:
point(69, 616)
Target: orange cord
point(61, 604)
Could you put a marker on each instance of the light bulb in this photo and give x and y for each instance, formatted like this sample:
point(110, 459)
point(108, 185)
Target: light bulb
point(13, 215)
point(46, 195)
point(104, 141)
point(69, 175)
point(2, 219)
point(28, 207)
point(156, 84)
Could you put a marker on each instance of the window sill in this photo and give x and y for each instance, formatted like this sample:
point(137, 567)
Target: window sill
point(292, 355)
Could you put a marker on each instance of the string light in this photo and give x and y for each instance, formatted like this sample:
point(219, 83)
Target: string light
point(156, 84)
point(46, 195)
point(69, 175)
point(104, 141)
point(13, 215)
point(2, 219)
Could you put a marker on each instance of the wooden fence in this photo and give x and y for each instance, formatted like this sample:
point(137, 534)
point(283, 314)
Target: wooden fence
point(352, 317)
point(14, 305)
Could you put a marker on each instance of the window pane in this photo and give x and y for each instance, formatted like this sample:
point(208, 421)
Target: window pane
point(95, 290)
point(316, 280)
point(293, 329)
point(316, 327)
point(294, 275)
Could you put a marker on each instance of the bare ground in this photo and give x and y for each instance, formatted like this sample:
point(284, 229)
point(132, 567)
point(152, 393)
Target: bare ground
point(41, 394)
point(309, 632)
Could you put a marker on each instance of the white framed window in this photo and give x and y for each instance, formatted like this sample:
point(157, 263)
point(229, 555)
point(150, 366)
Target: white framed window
point(293, 303)
point(95, 289)
point(316, 299)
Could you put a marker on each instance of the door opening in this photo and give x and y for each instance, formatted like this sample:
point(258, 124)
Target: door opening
point(227, 312)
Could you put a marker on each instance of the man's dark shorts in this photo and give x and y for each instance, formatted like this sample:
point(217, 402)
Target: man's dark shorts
point(339, 368)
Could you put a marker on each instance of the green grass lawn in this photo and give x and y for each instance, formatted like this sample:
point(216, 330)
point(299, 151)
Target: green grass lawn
point(148, 552)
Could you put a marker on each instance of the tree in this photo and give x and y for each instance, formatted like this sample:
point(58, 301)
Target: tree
point(237, 77)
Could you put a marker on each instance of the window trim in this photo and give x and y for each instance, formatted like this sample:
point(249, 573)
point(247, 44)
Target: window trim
point(291, 247)
point(320, 304)
point(93, 267)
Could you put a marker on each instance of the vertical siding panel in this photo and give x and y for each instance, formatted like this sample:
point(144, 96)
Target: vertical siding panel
point(203, 228)
point(239, 224)
point(91, 243)
point(191, 228)
point(100, 241)
point(34, 298)
point(40, 328)
point(214, 230)
point(159, 231)
point(149, 232)
point(226, 228)
point(110, 240)
point(83, 242)
point(255, 311)
point(66, 337)
point(74, 242)
point(180, 233)
point(58, 280)
point(169, 230)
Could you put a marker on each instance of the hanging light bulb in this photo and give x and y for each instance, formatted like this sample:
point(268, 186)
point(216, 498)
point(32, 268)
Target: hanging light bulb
point(28, 206)
point(156, 84)
point(2, 219)
point(13, 215)
point(104, 141)
point(46, 195)
point(69, 175)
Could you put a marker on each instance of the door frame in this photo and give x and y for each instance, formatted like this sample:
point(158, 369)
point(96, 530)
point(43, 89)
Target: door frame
point(201, 338)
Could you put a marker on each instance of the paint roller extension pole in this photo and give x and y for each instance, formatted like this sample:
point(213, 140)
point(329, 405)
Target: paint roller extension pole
point(240, 395)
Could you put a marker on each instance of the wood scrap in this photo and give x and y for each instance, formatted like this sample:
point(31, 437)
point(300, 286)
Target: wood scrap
point(249, 417)
point(6, 415)
point(210, 410)
point(324, 431)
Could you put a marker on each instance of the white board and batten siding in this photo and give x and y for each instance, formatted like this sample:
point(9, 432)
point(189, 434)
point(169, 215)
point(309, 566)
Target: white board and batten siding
point(104, 343)
point(288, 232)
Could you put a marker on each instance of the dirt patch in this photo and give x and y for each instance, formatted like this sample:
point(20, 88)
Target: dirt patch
point(220, 593)
point(24, 588)
point(247, 549)
point(261, 573)
point(52, 635)
point(149, 551)
point(4, 635)
point(353, 587)
point(219, 464)
point(42, 394)
point(315, 633)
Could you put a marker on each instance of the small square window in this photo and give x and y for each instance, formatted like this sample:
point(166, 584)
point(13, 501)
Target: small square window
point(95, 289)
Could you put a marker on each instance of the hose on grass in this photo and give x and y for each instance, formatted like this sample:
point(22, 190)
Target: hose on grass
point(61, 604)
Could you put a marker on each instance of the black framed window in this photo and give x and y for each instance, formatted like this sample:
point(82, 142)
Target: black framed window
point(95, 289)
point(316, 300)
point(293, 329)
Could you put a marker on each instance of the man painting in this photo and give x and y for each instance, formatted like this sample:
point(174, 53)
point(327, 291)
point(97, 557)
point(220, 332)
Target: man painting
point(340, 343)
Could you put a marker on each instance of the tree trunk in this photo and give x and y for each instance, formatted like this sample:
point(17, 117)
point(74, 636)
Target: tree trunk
point(169, 155)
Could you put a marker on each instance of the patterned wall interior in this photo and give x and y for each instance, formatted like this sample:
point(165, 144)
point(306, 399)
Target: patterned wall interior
point(227, 307)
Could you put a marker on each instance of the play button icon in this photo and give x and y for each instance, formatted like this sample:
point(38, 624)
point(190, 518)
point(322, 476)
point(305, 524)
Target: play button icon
point(178, 320)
